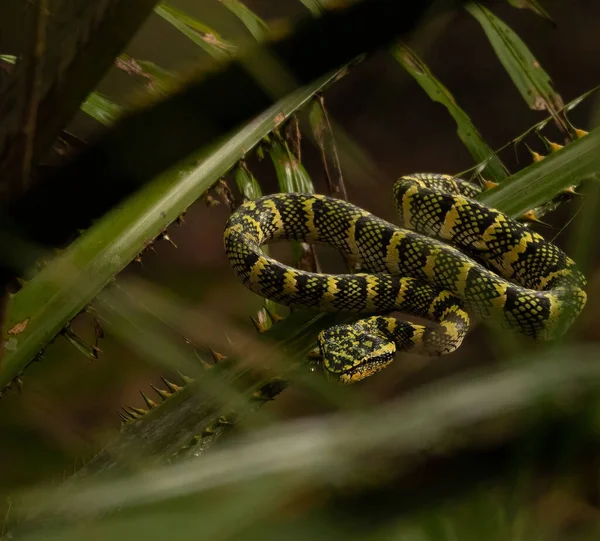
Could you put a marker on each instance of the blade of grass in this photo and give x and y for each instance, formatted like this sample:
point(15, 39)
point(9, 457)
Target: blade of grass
point(99, 107)
point(427, 419)
point(291, 174)
point(198, 32)
point(532, 5)
point(314, 6)
point(255, 25)
point(69, 283)
point(540, 182)
point(247, 184)
point(468, 133)
point(145, 317)
point(45, 215)
point(534, 84)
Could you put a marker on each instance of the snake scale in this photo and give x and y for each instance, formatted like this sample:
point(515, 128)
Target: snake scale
point(504, 271)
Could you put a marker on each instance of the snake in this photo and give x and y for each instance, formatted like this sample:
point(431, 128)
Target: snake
point(450, 259)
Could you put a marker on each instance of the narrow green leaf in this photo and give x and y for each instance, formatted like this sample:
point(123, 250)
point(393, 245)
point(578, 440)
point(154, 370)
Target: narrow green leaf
point(255, 25)
point(41, 309)
point(11, 59)
point(532, 81)
point(246, 183)
point(99, 107)
point(199, 33)
point(314, 6)
point(159, 76)
point(541, 181)
point(291, 175)
point(468, 133)
point(444, 415)
point(533, 5)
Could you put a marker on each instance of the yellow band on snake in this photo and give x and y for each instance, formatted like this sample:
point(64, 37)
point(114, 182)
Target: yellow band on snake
point(504, 270)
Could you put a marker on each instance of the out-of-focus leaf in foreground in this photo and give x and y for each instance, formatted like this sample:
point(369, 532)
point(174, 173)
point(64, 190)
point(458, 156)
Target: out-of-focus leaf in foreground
point(99, 107)
point(198, 32)
point(113, 174)
point(60, 291)
point(325, 451)
point(255, 25)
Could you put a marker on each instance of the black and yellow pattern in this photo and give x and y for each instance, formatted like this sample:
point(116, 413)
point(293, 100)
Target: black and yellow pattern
point(504, 270)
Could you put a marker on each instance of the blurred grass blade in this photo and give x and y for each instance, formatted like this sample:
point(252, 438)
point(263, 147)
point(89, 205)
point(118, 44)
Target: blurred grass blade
point(199, 33)
point(99, 107)
point(532, 81)
point(314, 6)
point(541, 181)
point(323, 134)
point(255, 25)
point(9, 58)
point(291, 174)
point(532, 5)
point(468, 133)
point(59, 292)
point(45, 214)
point(160, 77)
point(442, 417)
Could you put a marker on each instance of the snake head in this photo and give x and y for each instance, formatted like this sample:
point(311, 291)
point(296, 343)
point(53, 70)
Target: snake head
point(352, 352)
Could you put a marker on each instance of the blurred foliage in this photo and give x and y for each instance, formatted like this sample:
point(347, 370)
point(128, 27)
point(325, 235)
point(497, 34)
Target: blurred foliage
point(508, 451)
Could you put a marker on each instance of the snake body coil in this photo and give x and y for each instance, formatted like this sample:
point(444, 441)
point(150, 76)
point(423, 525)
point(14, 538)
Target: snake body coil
point(505, 270)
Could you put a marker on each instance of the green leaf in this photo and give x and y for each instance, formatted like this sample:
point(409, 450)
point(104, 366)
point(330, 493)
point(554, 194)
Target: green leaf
point(41, 309)
point(444, 416)
point(532, 81)
point(291, 175)
point(11, 59)
point(159, 76)
point(468, 133)
point(314, 6)
point(246, 183)
point(541, 181)
point(255, 25)
point(533, 5)
point(99, 107)
point(199, 33)
point(113, 175)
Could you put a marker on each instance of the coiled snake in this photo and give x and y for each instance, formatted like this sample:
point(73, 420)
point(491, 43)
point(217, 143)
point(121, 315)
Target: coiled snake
point(505, 270)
